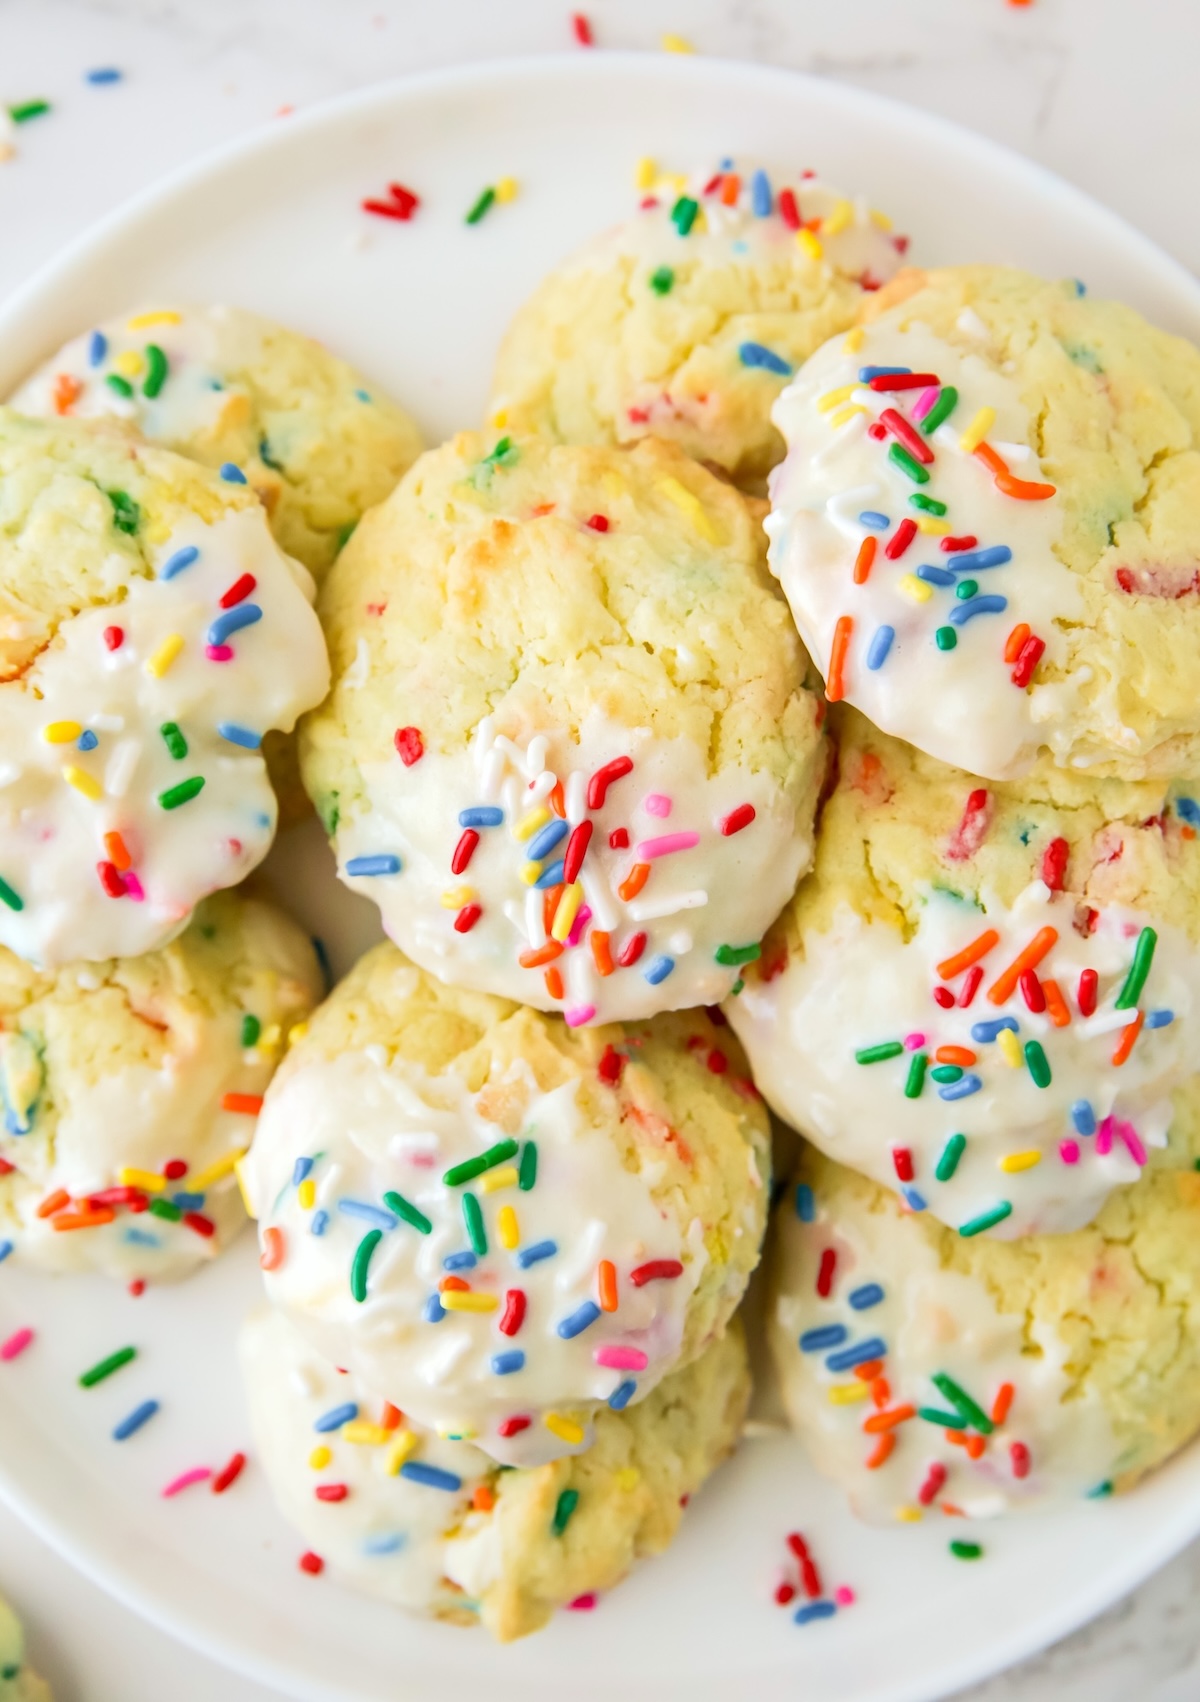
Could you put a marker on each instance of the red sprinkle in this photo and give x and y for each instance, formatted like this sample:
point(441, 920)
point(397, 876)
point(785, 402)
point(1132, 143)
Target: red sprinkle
point(825, 1273)
point(114, 637)
point(576, 851)
point(933, 1482)
point(1027, 661)
point(716, 1062)
point(810, 1578)
point(230, 1475)
point(610, 1066)
point(597, 789)
point(784, 1593)
point(972, 829)
point(903, 1160)
point(737, 819)
point(137, 1287)
point(1032, 991)
point(582, 30)
point(331, 1491)
point(386, 209)
point(199, 1224)
point(238, 591)
point(905, 435)
point(410, 747)
point(6, 1169)
point(901, 538)
point(1019, 1454)
point(965, 543)
point(513, 1426)
point(175, 1169)
point(970, 986)
point(511, 1320)
point(1054, 864)
point(467, 918)
point(463, 851)
point(618, 839)
point(944, 997)
point(598, 523)
point(789, 212)
point(110, 879)
point(904, 381)
point(312, 1564)
point(1086, 996)
point(633, 948)
point(798, 1545)
point(654, 1269)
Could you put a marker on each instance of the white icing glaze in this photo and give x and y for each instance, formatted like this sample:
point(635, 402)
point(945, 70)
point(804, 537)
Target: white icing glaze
point(723, 891)
point(369, 1127)
point(52, 835)
point(928, 1322)
point(862, 984)
point(961, 704)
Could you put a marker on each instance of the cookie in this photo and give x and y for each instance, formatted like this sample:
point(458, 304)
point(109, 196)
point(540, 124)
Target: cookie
point(501, 1225)
point(988, 525)
point(569, 751)
point(686, 321)
point(18, 1682)
point(436, 1527)
point(151, 632)
point(129, 1088)
point(930, 1374)
point(983, 996)
point(316, 442)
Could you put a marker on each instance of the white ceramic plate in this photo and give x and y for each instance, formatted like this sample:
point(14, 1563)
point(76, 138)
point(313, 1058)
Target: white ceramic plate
point(274, 224)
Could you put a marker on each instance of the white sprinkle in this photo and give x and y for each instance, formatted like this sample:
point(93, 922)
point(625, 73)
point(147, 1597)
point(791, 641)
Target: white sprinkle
point(652, 909)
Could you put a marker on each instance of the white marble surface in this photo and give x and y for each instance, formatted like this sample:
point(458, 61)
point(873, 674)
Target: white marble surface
point(1102, 91)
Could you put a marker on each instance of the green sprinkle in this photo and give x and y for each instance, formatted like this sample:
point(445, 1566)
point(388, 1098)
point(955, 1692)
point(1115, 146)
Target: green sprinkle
point(527, 1174)
point(11, 898)
point(946, 638)
point(169, 1212)
point(174, 740)
point(564, 1507)
point(105, 1368)
point(900, 457)
point(946, 1420)
point(344, 533)
point(156, 371)
point(966, 1550)
point(1100, 1491)
point(946, 1073)
point(405, 1209)
point(683, 214)
point(181, 794)
point(737, 986)
point(986, 1220)
point(362, 1263)
point(473, 1167)
point(122, 386)
point(661, 281)
point(473, 1218)
point(27, 109)
point(1039, 1064)
point(958, 1397)
point(947, 1163)
point(966, 588)
point(729, 955)
point(941, 410)
point(1143, 957)
point(916, 1075)
point(927, 504)
point(251, 1029)
point(487, 196)
point(127, 516)
point(879, 1054)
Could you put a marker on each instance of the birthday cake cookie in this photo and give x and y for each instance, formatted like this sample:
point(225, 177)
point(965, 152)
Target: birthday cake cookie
point(128, 1089)
point(983, 996)
point(569, 751)
point(151, 633)
point(686, 321)
point(18, 1682)
point(317, 443)
point(499, 1224)
point(988, 525)
point(930, 1374)
point(436, 1527)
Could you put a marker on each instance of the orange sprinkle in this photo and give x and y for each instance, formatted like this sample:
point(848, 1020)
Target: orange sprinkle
point(248, 1103)
point(482, 1498)
point(54, 1202)
point(557, 802)
point(543, 954)
point(1002, 1403)
point(272, 1253)
point(634, 881)
point(961, 1055)
point(67, 391)
point(880, 1452)
point(952, 966)
point(554, 982)
point(997, 467)
point(1005, 984)
point(881, 1391)
point(1128, 1036)
point(118, 853)
point(541, 509)
point(91, 1218)
point(392, 1418)
point(870, 1371)
point(453, 1285)
point(835, 681)
point(976, 1445)
point(1060, 1016)
point(888, 1420)
point(730, 188)
point(952, 1510)
point(864, 561)
point(958, 1438)
point(601, 955)
point(550, 902)
point(1024, 490)
point(1016, 641)
point(607, 1275)
point(1188, 832)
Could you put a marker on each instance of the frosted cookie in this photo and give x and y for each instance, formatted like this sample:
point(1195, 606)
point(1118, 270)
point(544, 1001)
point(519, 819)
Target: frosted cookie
point(569, 751)
point(988, 525)
point(18, 1682)
point(928, 1373)
point(151, 632)
point(314, 440)
point(498, 1224)
point(436, 1527)
point(983, 995)
point(686, 321)
point(128, 1089)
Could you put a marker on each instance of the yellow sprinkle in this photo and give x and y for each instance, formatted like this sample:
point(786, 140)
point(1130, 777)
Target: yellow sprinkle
point(531, 873)
point(270, 1037)
point(128, 363)
point(320, 1458)
point(881, 219)
point(297, 1032)
point(1010, 1049)
point(565, 1429)
point(143, 321)
point(400, 1450)
point(644, 172)
point(61, 732)
point(854, 340)
point(166, 653)
point(837, 221)
point(843, 414)
point(216, 1171)
point(676, 44)
point(835, 398)
point(455, 897)
point(909, 1515)
point(915, 588)
point(369, 1435)
point(148, 1180)
point(933, 528)
point(499, 419)
point(628, 1478)
point(1020, 1160)
point(978, 429)
point(458, 1300)
point(507, 1228)
point(506, 189)
point(845, 1394)
point(690, 505)
point(530, 822)
point(675, 181)
point(568, 909)
point(506, 1177)
point(239, 1171)
point(306, 1194)
point(83, 782)
point(809, 243)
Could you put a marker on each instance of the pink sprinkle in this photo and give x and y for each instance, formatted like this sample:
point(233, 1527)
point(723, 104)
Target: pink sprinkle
point(924, 402)
point(913, 1042)
point(657, 804)
point(584, 1604)
point(844, 1596)
point(16, 1345)
point(582, 917)
point(219, 652)
point(578, 1015)
point(1104, 1136)
point(1068, 1151)
point(133, 887)
point(1133, 1141)
point(185, 1480)
point(651, 848)
point(621, 1358)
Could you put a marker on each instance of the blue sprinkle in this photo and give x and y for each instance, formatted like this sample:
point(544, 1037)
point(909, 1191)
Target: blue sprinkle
point(235, 735)
point(465, 1261)
point(363, 395)
point(760, 195)
point(97, 348)
point(740, 246)
point(935, 575)
point(87, 740)
point(432, 1476)
point(433, 1311)
point(914, 1200)
point(103, 74)
point(319, 1224)
point(233, 620)
point(961, 1089)
point(544, 841)
point(134, 1421)
point(813, 1610)
point(881, 643)
point(870, 1294)
point(6, 1248)
point(504, 1363)
point(961, 613)
point(1080, 286)
point(867, 373)
point(188, 1202)
point(232, 474)
point(336, 1417)
point(550, 877)
point(658, 969)
point(985, 1031)
point(176, 563)
point(392, 1543)
point(578, 1321)
point(757, 354)
point(806, 1208)
point(1083, 1117)
point(859, 1354)
point(481, 815)
point(726, 164)
point(382, 863)
point(973, 561)
point(1189, 810)
point(142, 1238)
point(623, 1394)
point(301, 1169)
point(1159, 1019)
point(825, 1335)
point(374, 1215)
point(871, 517)
point(532, 1255)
